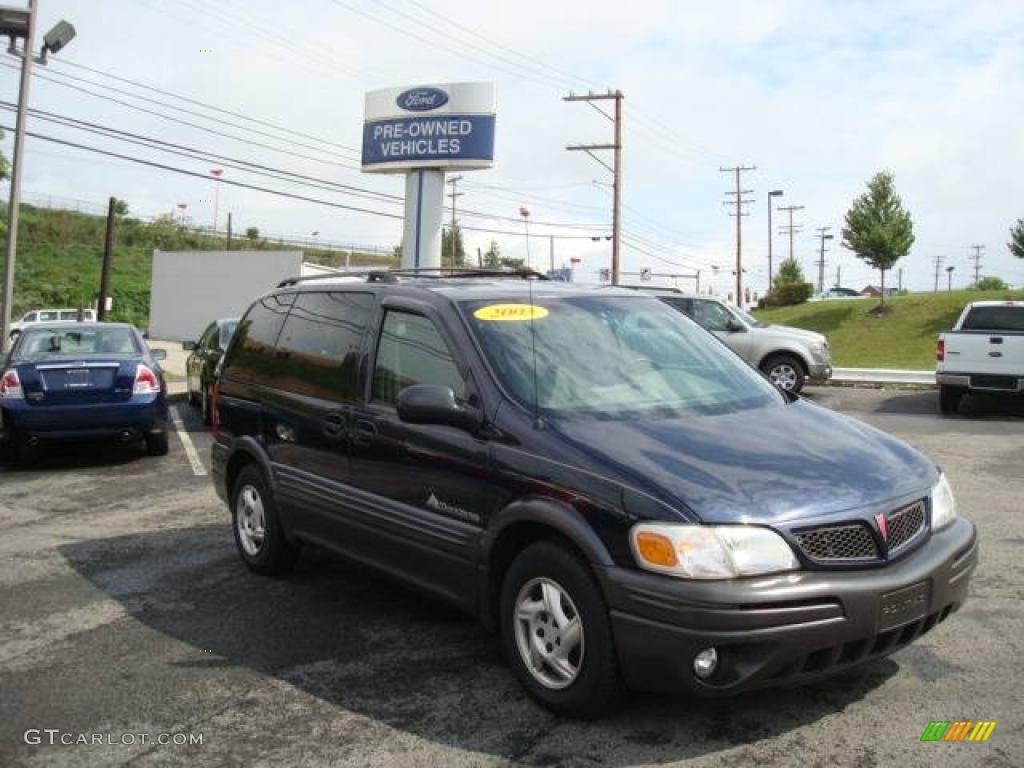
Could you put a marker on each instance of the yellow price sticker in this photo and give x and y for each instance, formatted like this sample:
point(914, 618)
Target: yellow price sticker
point(510, 312)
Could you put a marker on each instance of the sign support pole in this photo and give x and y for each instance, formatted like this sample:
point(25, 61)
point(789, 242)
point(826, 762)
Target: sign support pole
point(424, 209)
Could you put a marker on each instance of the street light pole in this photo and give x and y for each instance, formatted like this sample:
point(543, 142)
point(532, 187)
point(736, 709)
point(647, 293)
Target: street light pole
point(949, 279)
point(525, 213)
point(16, 164)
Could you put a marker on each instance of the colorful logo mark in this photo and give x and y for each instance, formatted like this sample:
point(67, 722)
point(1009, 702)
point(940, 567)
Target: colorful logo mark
point(958, 730)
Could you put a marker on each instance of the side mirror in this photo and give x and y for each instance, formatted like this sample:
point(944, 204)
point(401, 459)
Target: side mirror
point(734, 326)
point(433, 404)
point(158, 354)
point(188, 346)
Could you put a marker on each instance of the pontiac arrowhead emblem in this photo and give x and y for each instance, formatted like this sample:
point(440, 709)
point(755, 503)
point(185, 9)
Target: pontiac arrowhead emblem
point(883, 526)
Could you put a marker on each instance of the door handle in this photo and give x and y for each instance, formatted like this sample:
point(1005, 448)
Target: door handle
point(334, 424)
point(364, 431)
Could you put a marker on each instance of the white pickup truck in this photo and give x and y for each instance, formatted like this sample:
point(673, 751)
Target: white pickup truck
point(983, 353)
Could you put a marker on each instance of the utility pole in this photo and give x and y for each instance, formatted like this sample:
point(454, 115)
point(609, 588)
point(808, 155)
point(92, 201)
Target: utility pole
point(616, 168)
point(938, 266)
point(791, 228)
point(108, 255)
point(14, 203)
point(976, 258)
point(899, 280)
point(453, 195)
point(551, 251)
point(823, 234)
point(771, 234)
point(229, 231)
point(739, 201)
point(838, 284)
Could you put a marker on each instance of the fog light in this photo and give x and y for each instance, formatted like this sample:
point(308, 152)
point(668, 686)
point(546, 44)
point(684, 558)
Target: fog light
point(704, 663)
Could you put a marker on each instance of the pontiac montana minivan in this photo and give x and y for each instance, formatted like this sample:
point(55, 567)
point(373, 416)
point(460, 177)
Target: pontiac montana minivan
point(617, 495)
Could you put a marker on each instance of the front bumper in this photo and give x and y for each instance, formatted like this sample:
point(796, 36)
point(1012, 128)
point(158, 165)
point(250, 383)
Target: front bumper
point(781, 629)
point(819, 372)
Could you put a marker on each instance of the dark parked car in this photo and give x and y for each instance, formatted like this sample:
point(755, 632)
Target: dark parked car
point(82, 380)
point(201, 364)
point(619, 496)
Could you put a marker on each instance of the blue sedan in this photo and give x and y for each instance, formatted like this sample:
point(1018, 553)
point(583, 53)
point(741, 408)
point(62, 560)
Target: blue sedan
point(82, 380)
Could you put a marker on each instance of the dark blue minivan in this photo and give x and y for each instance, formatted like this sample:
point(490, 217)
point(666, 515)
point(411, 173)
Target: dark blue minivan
point(606, 485)
point(82, 380)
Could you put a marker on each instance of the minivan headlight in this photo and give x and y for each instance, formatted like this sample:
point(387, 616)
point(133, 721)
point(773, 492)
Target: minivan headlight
point(710, 552)
point(943, 504)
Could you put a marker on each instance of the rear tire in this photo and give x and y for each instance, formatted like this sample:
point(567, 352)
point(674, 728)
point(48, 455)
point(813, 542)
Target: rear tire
point(259, 537)
point(949, 398)
point(583, 681)
point(786, 372)
point(204, 405)
point(157, 445)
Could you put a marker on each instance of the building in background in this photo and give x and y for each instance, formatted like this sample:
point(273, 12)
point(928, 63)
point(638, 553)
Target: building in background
point(192, 288)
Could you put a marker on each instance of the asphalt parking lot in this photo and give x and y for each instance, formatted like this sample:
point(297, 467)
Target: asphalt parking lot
point(125, 610)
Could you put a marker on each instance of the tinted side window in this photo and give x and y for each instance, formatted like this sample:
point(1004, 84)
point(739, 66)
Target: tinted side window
point(711, 315)
point(321, 341)
point(411, 351)
point(253, 357)
point(683, 305)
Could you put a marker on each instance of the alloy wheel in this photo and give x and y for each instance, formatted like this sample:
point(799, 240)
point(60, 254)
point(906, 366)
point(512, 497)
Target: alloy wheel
point(250, 520)
point(549, 633)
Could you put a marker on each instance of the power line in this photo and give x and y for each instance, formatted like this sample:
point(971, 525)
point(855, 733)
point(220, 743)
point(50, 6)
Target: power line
point(267, 190)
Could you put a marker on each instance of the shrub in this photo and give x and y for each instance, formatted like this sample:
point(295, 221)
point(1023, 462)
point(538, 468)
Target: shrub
point(788, 294)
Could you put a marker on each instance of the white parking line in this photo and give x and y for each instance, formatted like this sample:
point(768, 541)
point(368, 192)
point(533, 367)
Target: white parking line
point(190, 449)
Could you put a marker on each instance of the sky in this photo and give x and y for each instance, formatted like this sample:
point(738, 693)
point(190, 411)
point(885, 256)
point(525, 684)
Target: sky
point(818, 96)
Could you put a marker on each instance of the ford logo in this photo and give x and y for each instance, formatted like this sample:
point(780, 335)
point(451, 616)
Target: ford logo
point(422, 99)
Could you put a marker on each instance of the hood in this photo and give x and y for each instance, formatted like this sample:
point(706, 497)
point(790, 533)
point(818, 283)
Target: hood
point(768, 465)
point(788, 332)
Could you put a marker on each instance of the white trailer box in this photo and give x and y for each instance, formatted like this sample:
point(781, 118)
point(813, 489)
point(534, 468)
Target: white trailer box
point(192, 288)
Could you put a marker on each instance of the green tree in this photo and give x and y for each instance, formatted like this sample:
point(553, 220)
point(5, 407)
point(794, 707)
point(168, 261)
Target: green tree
point(4, 168)
point(878, 228)
point(492, 256)
point(252, 233)
point(789, 272)
point(446, 248)
point(1016, 243)
point(120, 207)
point(990, 284)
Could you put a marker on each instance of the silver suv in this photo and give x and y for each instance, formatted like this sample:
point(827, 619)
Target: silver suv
point(788, 356)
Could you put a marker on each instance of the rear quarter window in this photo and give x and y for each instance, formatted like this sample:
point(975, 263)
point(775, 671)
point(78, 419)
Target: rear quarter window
point(252, 355)
point(321, 343)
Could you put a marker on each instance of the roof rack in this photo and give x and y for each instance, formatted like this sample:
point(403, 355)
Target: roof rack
point(391, 275)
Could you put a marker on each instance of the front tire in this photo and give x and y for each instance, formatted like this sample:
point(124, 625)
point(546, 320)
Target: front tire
point(556, 632)
point(949, 398)
point(258, 535)
point(785, 372)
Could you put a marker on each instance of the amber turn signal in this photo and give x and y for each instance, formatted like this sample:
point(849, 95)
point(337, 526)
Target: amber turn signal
point(656, 549)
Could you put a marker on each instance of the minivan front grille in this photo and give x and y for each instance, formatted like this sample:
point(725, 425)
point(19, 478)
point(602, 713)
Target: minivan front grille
point(905, 525)
point(839, 543)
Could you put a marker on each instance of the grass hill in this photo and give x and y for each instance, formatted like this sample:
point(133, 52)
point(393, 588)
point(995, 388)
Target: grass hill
point(60, 253)
point(904, 338)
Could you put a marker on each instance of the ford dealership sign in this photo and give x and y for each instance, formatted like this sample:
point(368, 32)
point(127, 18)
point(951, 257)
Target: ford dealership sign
point(449, 126)
point(422, 99)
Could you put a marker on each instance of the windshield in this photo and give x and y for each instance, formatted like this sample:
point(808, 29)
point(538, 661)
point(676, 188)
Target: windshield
point(612, 357)
point(76, 341)
point(748, 318)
